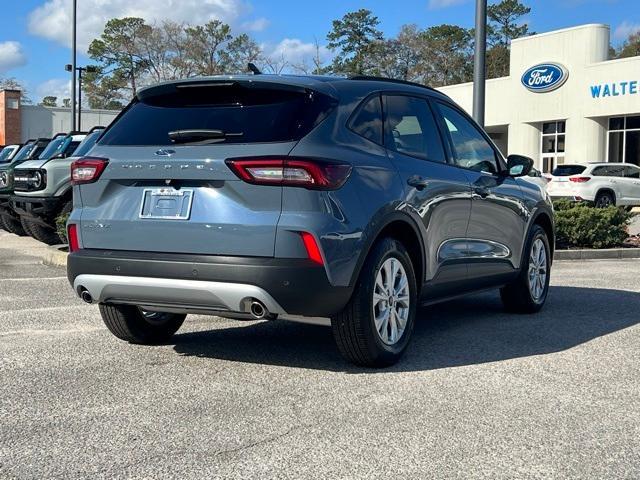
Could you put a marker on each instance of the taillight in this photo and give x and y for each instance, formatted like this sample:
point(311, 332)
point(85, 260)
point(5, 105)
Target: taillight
point(72, 236)
point(309, 173)
point(579, 179)
point(87, 170)
point(310, 244)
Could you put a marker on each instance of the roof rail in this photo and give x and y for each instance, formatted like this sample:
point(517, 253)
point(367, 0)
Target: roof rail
point(390, 80)
point(97, 127)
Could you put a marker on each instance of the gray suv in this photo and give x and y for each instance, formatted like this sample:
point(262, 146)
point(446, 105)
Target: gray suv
point(354, 200)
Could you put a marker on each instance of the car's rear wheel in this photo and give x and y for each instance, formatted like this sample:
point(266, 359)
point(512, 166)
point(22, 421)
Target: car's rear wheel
point(604, 200)
point(529, 292)
point(375, 327)
point(12, 225)
point(135, 325)
point(43, 234)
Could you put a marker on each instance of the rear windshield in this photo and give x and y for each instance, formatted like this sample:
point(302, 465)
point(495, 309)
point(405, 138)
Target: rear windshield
point(568, 170)
point(245, 115)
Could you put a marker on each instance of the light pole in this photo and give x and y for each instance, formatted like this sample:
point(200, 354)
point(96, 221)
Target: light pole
point(89, 69)
point(73, 65)
point(480, 62)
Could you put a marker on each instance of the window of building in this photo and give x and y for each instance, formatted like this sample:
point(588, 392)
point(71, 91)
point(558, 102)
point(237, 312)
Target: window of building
point(624, 139)
point(552, 145)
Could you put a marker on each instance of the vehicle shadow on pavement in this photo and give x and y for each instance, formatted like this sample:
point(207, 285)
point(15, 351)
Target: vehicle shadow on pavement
point(467, 331)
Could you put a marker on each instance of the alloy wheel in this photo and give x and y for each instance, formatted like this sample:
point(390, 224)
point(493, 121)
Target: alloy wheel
point(391, 301)
point(537, 270)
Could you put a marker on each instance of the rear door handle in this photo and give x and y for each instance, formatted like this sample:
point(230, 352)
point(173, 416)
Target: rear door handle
point(417, 182)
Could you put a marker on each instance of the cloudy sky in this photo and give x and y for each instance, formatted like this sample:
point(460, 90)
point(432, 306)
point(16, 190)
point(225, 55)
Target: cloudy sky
point(35, 36)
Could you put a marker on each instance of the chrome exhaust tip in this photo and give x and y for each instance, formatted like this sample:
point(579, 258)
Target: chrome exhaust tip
point(86, 296)
point(258, 310)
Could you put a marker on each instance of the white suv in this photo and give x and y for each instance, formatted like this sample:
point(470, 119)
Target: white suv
point(603, 184)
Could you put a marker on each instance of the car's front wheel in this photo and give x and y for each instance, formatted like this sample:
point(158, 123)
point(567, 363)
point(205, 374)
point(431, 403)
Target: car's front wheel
point(12, 226)
point(135, 325)
point(528, 293)
point(375, 327)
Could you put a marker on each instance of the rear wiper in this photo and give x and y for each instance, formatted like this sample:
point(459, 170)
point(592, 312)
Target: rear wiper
point(201, 137)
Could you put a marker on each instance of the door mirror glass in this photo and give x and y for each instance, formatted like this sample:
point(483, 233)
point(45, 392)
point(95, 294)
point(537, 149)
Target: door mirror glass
point(518, 165)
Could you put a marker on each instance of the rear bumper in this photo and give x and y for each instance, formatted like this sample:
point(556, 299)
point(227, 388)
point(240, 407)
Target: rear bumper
point(39, 209)
point(202, 283)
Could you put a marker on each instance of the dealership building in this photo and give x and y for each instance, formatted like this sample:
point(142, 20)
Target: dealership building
point(564, 100)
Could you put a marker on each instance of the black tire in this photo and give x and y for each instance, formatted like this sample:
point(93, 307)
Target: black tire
point(604, 200)
point(354, 328)
point(66, 209)
point(129, 323)
point(26, 225)
point(43, 234)
point(517, 296)
point(12, 225)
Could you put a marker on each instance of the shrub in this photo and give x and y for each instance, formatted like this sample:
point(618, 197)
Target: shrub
point(579, 225)
point(61, 226)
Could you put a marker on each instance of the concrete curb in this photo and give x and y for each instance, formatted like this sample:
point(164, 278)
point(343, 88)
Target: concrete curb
point(54, 256)
point(593, 254)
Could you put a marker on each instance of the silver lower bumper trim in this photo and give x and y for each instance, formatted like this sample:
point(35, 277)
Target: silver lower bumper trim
point(184, 295)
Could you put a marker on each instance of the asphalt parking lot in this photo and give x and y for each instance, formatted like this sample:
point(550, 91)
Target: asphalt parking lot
point(481, 393)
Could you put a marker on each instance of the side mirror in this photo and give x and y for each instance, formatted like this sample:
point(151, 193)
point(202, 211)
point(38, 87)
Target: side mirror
point(519, 165)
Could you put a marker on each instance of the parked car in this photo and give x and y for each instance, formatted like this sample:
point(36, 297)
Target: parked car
point(291, 197)
point(602, 184)
point(8, 152)
point(42, 188)
point(535, 176)
point(9, 220)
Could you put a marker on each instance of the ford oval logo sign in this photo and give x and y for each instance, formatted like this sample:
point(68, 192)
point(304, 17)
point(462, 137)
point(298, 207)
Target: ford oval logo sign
point(545, 77)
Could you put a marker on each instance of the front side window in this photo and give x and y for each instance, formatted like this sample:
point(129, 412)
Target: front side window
point(410, 128)
point(471, 148)
point(368, 120)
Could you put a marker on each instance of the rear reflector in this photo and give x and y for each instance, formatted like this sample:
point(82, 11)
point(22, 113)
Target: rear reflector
point(579, 179)
point(87, 170)
point(72, 235)
point(314, 174)
point(313, 251)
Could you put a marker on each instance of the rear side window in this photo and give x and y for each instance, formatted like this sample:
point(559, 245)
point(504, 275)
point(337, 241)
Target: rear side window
point(368, 120)
point(410, 128)
point(568, 170)
point(243, 114)
point(609, 171)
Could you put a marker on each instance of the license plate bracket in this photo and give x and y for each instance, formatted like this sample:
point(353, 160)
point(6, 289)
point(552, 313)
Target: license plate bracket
point(166, 203)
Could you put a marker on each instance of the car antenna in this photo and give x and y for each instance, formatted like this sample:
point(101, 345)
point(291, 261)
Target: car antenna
point(253, 69)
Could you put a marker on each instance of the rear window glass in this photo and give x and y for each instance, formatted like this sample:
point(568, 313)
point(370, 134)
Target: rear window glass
point(609, 171)
point(568, 170)
point(245, 115)
point(368, 121)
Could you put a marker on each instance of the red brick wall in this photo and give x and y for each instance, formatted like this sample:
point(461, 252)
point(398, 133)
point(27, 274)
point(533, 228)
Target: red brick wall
point(9, 117)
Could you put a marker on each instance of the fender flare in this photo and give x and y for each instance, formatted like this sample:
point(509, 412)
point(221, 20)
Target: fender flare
point(371, 236)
